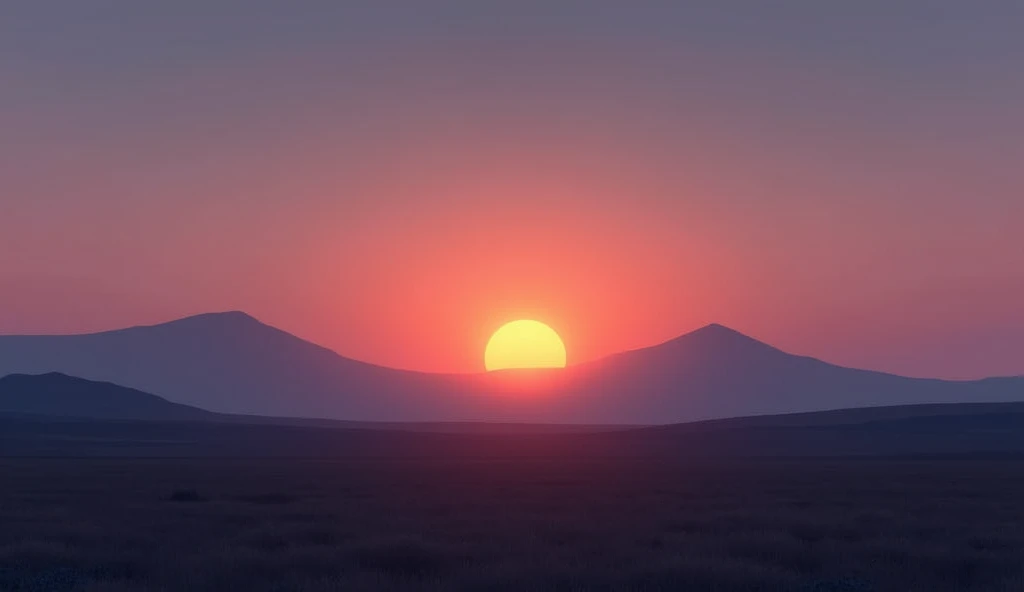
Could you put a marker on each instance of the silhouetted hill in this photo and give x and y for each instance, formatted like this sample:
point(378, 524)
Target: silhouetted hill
point(226, 362)
point(963, 430)
point(55, 414)
point(59, 395)
point(716, 372)
point(857, 415)
point(971, 434)
point(230, 362)
point(56, 396)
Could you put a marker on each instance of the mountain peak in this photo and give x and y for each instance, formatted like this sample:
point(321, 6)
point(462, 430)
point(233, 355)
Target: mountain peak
point(721, 333)
point(716, 337)
point(717, 328)
point(232, 316)
point(218, 321)
point(51, 376)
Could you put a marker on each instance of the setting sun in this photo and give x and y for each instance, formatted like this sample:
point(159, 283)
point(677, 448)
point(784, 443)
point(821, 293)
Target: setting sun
point(524, 344)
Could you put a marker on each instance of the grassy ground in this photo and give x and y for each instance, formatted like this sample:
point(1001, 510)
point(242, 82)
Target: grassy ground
point(510, 524)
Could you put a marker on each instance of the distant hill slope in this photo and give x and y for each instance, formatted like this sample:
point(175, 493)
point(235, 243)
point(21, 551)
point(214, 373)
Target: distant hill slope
point(230, 362)
point(59, 395)
point(973, 434)
point(716, 372)
point(59, 415)
point(964, 430)
point(853, 417)
point(56, 396)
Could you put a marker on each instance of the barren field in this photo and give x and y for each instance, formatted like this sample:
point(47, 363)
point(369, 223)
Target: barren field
point(510, 523)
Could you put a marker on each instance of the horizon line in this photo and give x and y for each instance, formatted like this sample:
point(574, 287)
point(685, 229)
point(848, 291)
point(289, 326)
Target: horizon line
point(483, 373)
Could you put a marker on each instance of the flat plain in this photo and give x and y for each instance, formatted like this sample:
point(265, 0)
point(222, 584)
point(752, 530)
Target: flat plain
point(511, 522)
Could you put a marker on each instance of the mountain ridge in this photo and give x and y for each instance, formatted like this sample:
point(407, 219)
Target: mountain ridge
point(241, 320)
point(232, 363)
point(42, 385)
point(60, 395)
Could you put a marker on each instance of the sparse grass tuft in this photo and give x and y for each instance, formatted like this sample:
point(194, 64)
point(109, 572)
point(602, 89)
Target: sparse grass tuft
point(186, 495)
point(266, 499)
point(402, 555)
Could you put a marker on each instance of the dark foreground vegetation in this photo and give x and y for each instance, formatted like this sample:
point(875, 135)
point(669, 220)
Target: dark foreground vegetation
point(508, 523)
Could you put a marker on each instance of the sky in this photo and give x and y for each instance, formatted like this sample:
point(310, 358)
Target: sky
point(395, 180)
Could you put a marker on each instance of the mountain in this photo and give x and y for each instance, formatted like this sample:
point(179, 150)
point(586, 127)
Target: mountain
point(56, 396)
point(229, 362)
point(232, 363)
point(59, 395)
point(717, 372)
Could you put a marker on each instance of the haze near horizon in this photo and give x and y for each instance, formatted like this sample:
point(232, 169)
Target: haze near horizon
point(840, 181)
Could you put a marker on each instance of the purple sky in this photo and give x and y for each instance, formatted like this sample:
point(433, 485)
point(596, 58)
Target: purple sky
point(395, 180)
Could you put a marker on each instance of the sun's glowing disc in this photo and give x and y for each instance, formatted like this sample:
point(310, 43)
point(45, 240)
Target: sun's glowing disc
point(524, 344)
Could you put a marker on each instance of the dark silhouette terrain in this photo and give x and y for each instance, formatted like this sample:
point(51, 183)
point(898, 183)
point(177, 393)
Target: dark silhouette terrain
point(59, 395)
point(111, 489)
point(231, 363)
point(976, 436)
point(36, 398)
point(510, 521)
point(59, 415)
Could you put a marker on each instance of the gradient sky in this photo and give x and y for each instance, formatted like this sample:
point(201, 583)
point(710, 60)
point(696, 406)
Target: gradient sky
point(395, 180)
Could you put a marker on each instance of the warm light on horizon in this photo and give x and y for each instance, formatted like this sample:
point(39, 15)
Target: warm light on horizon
point(524, 344)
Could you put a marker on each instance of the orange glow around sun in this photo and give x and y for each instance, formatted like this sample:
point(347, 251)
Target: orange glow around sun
point(524, 344)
